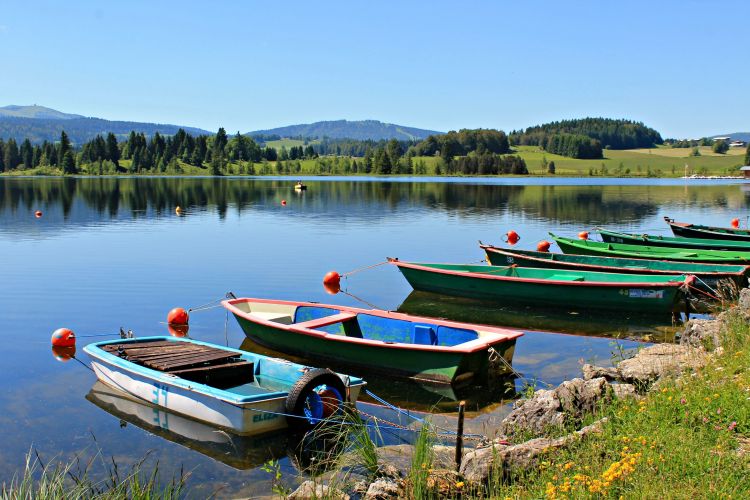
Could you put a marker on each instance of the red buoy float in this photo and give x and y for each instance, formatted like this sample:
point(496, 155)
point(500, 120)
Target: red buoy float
point(543, 246)
point(64, 354)
point(735, 223)
point(332, 278)
point(178, 316)
point(38, 214)
point(332, 289)
point(512, 237)
point(583, 235)
point(283, 203)
point(63, 337)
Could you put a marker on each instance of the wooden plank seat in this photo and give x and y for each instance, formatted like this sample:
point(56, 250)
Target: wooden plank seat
point(327, 320)
point(232, 373)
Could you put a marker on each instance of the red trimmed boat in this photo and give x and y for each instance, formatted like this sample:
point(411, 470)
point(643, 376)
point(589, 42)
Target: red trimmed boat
point(393, 343)
point(638, 293)
point(707, 232)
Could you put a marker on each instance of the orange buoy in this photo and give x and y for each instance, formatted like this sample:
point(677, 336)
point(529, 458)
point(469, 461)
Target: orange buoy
point(63, 337)
point(583, 235)
point(178, 316)
point(512, 237)
point(178, 330)
point(283, 203)
point(690, 280)
point(543, 246)
point(332, 289)
point(38, 214)
point(64, 354)
point(332, 278)
point(735, 222)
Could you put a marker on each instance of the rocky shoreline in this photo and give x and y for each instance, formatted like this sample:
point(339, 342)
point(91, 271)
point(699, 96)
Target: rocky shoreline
point(524, 435)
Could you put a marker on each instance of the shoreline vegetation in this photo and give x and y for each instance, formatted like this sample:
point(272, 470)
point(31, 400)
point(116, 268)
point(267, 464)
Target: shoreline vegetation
point(590, 147)
point(672, 421)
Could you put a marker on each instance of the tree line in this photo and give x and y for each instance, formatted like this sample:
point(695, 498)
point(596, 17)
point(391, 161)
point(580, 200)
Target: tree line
point(611, 134)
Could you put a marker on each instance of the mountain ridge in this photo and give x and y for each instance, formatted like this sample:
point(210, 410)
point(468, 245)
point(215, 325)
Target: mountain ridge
point(346, 129)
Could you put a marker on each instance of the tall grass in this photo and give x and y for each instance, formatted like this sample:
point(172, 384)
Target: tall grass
point(70, 480)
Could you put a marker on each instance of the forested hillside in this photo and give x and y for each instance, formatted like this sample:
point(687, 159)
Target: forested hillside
point(585, 138)
point(344, 129)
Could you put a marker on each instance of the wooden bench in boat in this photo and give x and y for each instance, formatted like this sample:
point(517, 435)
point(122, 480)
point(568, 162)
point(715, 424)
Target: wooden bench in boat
point(327, 320)
point(195, 362)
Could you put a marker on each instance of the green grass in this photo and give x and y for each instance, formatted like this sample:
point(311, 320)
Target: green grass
point(288, 143)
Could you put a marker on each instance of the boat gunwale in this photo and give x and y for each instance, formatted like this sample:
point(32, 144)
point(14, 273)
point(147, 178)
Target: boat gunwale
point(512, 253)
point(94, 350)
point(493, 335)
point(602, 284)
point(709, 229)
point(700, 244)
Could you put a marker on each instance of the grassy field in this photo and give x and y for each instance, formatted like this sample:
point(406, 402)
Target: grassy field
point(288, 143)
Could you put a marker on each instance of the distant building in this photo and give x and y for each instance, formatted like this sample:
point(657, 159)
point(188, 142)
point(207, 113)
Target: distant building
point(746, 171)
point(721, 139)
point(737, 144)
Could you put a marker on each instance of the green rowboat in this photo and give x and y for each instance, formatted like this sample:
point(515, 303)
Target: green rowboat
point(550, 287)
point(669, 241)
point(588, 247)
point(710, 274)
point(391, 343)
point(710, 232)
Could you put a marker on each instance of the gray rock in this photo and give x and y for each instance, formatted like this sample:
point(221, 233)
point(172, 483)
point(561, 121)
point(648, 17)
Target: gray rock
point(704, 333)
point(478, 466)
point(743, 302)
point(658, 360)
point(383, 489)
point(622, 391)
point(568, 402)
point(591, 371)
point(309, 490)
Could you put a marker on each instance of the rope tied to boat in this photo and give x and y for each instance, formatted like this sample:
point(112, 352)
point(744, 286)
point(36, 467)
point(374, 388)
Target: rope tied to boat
point(213, 304)
point(355, 271)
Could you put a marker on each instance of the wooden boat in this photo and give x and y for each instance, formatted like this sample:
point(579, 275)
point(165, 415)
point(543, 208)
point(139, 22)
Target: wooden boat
point(588, 247)
point(550, 287)
point(377, 341)
point(708, 232)
point(710, 274)
point(669, 241)
point(300, 187)
point(243, 392)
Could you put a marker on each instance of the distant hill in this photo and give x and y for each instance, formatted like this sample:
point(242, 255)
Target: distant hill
point(735, 136)
point(35, 111)
point(344, 129)
point(39, 124)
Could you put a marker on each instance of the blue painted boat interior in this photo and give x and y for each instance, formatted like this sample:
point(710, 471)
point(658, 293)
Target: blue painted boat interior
point(371, 327)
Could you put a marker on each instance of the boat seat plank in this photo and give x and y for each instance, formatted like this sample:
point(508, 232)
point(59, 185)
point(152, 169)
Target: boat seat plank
point(276, 317)
point(327, 320)
point(567, 277)
point(222, 375)
point(168, 365)
point(139, 345)
point(169, 355)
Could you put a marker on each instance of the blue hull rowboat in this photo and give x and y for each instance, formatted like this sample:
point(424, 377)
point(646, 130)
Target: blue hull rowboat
point(243, 392)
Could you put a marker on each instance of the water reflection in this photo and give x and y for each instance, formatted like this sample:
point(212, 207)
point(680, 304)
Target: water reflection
point(580, 322)
point(85, 200)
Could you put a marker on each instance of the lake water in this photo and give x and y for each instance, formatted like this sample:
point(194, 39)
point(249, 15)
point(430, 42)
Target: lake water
point(112, 252)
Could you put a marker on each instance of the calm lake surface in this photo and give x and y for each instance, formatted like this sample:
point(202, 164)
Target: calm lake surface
point(112, 252)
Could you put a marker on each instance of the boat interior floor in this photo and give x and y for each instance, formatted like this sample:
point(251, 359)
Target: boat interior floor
point(195, 362)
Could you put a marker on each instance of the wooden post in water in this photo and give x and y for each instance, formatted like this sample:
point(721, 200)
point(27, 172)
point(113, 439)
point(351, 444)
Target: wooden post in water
point(460, 434)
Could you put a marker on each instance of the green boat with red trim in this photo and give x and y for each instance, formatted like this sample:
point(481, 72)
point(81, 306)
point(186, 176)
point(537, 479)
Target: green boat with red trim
point(588, 247)
point(710, 232)
point(651, 294)
point(708, 274)
point(372, 340)
point(656, 240)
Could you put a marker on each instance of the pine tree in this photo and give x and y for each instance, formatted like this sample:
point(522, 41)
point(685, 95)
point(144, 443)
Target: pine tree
point(64, 146)
point(747, 155)
point(11, 157)
point(27, 154)
point(68, 163)
point(112, 151)
point(2, 156)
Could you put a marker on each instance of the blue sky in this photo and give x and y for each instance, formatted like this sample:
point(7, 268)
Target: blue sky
point(681, 67)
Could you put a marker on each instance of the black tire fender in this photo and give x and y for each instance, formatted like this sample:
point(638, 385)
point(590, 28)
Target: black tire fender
point(296, 400)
